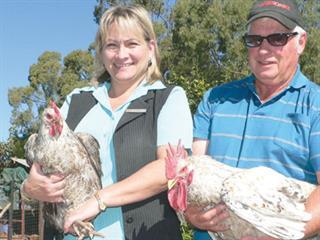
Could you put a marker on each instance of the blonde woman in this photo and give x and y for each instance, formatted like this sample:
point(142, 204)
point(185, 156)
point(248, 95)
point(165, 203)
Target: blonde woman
point(134, 119)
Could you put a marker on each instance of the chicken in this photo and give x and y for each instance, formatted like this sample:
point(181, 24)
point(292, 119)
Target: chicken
point(76, 156)
point(260, 200)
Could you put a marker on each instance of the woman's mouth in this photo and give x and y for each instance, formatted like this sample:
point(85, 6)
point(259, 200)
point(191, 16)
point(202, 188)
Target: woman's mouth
point(123, 65)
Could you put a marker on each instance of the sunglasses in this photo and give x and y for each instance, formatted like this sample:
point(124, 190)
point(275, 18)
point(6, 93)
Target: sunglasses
point(276, 39)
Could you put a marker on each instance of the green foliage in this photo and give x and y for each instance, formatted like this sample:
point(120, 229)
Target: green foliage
point(6, 151)
point(49, 79)
point(8, 175)
point(309, 61)
point(194, 88)
point(13, 147)
point(206, 47)
point(44, 75)
point(310, 58)
point(16, 175)
point(77, 70)
point(186, 232)
point(159, 11)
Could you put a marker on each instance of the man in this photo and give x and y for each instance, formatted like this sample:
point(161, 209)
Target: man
point(271, 118)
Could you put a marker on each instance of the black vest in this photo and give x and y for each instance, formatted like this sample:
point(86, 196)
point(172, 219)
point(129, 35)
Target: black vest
point(135, 141)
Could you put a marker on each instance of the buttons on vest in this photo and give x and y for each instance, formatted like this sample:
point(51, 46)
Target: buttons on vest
point(129, 220)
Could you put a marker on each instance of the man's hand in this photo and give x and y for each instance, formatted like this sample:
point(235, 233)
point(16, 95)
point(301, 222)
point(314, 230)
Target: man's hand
point(258, 238)
point(44, 188)
point(210, 220)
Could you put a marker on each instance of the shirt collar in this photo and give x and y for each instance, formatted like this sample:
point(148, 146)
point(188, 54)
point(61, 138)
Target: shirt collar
point(298, 80)
point(102, 95)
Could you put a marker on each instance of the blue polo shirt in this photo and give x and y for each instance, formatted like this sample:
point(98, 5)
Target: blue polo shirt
point(282, 133)
point(174, 123)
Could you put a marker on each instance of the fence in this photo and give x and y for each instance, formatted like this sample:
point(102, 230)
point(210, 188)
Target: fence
point(20, 221)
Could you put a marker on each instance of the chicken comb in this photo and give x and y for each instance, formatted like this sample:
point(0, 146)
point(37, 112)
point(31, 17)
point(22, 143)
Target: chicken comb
point(172, 158)
point(55, 108)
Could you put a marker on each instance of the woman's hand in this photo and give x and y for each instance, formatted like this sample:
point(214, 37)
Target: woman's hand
point(86, 212)
point(210, 220)
point(70, 218)
point(44, 188)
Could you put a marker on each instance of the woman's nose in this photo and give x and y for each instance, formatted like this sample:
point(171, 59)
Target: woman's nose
point(123, 51)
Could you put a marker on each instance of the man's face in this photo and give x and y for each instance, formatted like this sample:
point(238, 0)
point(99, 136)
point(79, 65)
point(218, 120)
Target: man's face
point(272, 65)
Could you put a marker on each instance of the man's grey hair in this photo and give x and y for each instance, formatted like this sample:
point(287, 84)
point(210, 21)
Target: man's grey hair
point(300, 32)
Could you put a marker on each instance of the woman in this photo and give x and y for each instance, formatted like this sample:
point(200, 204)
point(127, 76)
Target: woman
point(129, 138)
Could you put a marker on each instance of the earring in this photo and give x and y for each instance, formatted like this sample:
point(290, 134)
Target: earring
point(149, 62)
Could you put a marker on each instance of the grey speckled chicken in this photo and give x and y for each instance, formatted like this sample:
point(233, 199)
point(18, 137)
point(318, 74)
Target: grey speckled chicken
point(75, 155)
point(260, 200)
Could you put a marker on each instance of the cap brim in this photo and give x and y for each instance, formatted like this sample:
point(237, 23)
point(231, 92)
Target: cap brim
point(276, 16)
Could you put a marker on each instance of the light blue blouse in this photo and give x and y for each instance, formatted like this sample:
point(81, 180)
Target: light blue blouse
point(174, 123)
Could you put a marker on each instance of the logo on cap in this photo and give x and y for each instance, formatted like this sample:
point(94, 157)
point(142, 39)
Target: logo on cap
point(274, 3)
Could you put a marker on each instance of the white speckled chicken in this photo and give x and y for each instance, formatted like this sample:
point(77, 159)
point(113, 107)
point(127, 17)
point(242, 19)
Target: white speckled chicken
point(260, 200)
point(75, 155)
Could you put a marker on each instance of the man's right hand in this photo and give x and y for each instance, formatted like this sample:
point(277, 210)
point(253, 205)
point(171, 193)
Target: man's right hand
point(44, 188)
point(210, 220)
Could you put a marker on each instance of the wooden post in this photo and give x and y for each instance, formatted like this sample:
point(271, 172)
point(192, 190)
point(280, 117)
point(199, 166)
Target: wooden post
point(3, 211)
point(41, 222)
point(22, 219)
point(10, 225)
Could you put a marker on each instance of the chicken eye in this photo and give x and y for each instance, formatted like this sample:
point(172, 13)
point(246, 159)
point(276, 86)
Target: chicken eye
point(48, 116)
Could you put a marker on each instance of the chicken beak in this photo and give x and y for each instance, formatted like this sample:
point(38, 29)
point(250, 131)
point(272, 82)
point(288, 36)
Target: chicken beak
point(171, 183)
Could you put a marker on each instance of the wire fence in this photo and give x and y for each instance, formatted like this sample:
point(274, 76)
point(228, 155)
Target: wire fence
point(19, 220)
point(22, 223)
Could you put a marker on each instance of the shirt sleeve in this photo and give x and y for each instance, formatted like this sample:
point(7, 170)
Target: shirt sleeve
point(65, 107)
point(202, 118)
point(175, 120)
point(314, 144)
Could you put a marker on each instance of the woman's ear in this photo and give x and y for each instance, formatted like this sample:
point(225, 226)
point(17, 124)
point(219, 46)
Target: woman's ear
point(151, 46)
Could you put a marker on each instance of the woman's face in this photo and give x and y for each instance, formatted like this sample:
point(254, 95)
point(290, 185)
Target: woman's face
point(126, 54)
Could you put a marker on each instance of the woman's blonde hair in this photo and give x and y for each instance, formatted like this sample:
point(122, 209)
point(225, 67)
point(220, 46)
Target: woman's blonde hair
point(135, 17)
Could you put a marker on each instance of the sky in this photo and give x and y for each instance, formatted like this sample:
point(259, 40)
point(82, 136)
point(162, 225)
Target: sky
point(28, 28)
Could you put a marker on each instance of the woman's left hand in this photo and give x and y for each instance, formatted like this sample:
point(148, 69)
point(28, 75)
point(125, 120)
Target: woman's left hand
point(70, 218)
point(85, 212)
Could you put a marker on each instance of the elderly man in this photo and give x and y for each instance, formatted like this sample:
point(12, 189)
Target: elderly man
point(270, 118)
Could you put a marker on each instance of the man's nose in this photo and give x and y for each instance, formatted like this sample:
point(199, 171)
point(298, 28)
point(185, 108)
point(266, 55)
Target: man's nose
point(265, 46)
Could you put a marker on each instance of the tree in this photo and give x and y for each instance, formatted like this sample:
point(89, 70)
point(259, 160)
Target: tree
point(6, 150)
point(29, 101)
point(77, 71)
point(48, 80)
point(159, 11)
point(310, 59)
point(206, 48)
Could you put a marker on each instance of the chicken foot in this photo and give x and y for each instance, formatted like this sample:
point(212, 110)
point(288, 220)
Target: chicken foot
point(85, 229)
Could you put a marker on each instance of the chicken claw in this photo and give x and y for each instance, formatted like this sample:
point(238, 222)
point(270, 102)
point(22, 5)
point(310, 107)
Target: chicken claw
point(85, 229)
